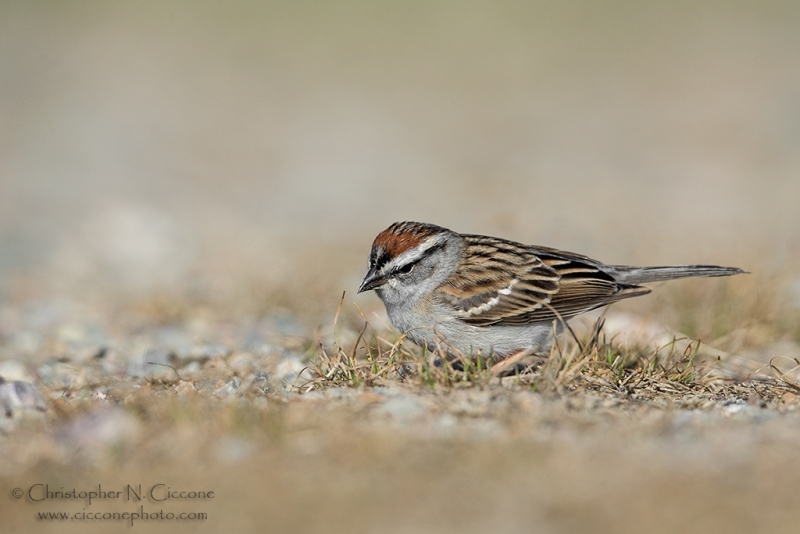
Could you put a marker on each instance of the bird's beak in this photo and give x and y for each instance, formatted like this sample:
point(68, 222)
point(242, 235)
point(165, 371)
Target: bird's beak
point(372, 280)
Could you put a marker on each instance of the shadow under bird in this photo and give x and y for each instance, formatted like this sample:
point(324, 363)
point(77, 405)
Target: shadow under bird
point(475, 294)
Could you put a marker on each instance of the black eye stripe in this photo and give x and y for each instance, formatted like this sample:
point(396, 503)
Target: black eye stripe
point(407, 268)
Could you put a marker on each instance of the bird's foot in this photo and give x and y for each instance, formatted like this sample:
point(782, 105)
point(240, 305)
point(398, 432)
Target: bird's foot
point(508, 364)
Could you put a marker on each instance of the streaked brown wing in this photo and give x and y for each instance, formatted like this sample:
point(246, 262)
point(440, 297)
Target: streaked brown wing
point(505, 287)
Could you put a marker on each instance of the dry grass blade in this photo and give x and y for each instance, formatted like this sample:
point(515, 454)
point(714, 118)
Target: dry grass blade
point(574, 365)
point(782, 376)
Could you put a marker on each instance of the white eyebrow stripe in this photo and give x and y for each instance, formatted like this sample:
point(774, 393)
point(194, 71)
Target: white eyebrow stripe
point(413, 254)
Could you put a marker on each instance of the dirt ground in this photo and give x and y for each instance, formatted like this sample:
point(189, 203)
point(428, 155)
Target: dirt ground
point(187, 189)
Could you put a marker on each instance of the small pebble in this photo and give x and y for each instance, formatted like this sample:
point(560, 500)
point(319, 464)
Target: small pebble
point(185, 388)
point(18, 397)
point(12, 370)
point(229, 388)
point(261, 384)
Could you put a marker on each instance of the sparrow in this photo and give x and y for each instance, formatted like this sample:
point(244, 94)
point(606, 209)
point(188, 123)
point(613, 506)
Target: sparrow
point(476, 295)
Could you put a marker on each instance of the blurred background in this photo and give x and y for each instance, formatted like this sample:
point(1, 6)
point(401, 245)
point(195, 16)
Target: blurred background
point(244, 154)
point(197, 182)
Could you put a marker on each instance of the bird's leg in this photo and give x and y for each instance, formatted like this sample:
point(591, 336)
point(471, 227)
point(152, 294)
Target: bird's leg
point(509, 363)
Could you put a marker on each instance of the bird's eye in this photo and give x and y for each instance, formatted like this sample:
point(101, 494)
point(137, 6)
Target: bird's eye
point(405, 269)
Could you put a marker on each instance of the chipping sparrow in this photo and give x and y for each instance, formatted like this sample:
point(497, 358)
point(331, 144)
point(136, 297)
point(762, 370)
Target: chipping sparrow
point(484, 295)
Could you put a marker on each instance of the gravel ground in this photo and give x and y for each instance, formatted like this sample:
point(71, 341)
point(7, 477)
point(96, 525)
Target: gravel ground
point(186, 189)
point(247, 411)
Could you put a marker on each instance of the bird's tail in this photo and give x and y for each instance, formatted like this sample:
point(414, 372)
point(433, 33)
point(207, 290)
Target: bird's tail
point(643, 275)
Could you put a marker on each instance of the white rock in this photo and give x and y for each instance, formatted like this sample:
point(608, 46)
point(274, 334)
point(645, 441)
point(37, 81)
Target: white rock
point(17, 398)
point(12, 370)
point(230, 388)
